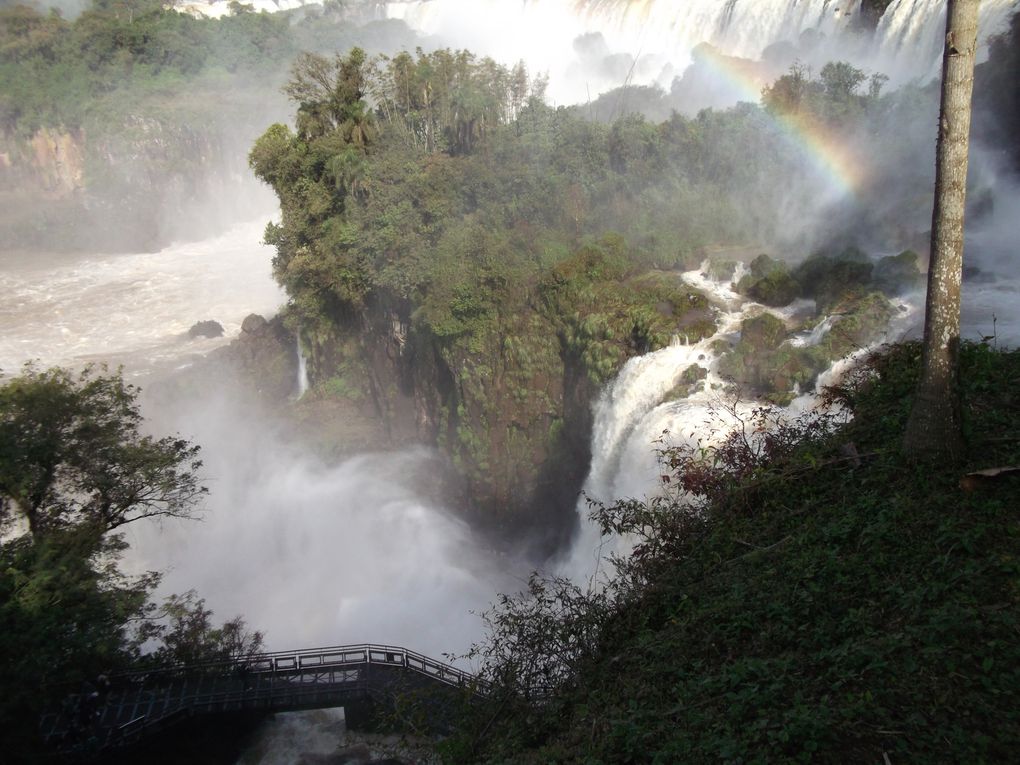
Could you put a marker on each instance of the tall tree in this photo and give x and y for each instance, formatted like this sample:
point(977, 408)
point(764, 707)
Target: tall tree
point(934, 429)
point(72, 454)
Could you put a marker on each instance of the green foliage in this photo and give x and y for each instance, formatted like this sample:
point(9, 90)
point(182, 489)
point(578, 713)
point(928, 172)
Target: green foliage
point(74, 466)
point(72, 455)
point(769, 282)
point(826, 602)
point(520, 249)
point(64, 616)
point(834, 98)
point(187, 636)
point(114, 56)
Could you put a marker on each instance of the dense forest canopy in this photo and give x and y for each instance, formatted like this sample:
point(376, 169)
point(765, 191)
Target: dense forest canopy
point(55, 72)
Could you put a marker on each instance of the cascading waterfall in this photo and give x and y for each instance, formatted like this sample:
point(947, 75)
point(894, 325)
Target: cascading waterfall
point(635, 416)
point(910, 34)
point(662, 34)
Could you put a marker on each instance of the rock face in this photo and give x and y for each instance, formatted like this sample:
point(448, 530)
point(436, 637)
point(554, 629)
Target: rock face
point(131, 183)
point(206, 328)
point(266, 354)
point(510, 402)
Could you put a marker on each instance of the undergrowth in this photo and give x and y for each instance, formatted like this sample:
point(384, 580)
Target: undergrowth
point(824, 601)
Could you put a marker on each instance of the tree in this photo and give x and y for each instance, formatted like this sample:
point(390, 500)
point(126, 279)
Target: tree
point(72, 455)
point(934, 429)
point(187, 634)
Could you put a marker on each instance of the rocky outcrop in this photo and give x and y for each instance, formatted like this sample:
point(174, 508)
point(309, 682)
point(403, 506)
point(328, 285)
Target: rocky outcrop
point(265, 353)
point(50, 162)
point(206, 328)
point(134, 183)
point(510, 403)
point(769, 282)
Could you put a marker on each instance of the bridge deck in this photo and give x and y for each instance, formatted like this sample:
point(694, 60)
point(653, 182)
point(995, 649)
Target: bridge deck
point(140, 703)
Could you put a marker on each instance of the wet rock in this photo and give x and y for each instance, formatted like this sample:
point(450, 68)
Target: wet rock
point(266, 354)
point(763, 332)
point(861, 322)
point(254, 324)
point(764, 364)
point(688, 382)
point(206, 328)
point(769, 282)
point(897, 274)
point(833, 280)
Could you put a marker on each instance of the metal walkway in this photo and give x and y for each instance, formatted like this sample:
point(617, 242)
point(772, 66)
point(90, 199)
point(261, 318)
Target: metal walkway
point(138, 704)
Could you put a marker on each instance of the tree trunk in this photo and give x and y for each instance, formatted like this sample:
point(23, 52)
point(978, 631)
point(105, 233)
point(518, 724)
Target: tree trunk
point(934, 428)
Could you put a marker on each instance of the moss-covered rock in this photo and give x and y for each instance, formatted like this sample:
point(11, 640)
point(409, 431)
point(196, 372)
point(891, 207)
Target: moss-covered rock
point(763, 332)
point(765, 364)
point(769, 282)
point(860, 322)
point(897, 274)
point(830, 281)
point(688, 383)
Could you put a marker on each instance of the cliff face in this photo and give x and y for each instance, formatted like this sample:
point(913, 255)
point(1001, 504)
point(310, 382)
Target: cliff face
point(50, 162)
point(511, 404)
point(135, 184)
point(512, 413)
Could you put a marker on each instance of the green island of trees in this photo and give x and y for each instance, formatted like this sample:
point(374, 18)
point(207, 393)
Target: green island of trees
point(474, 263)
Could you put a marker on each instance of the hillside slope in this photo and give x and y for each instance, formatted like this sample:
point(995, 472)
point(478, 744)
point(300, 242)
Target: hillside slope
point(839, 605)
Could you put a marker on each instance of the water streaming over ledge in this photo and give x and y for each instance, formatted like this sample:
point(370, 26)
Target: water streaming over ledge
point(660, 35)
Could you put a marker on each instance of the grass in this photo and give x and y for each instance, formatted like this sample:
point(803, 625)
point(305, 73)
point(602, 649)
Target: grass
point(831, 609)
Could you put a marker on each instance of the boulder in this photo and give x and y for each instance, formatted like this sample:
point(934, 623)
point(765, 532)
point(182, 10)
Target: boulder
point(254, 324)
point(266, 353)
point(763, 332)
point(206, 328)
point(688, 382)
point(833, 280)
point(897, 274)
point(769, 282)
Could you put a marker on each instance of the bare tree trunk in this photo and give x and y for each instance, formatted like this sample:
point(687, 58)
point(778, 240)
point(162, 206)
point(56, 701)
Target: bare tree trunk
point(934, 428)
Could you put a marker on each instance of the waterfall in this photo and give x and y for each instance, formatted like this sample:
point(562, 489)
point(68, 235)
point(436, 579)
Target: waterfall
point(635, 417)
point(302, 369)
point(662, 33)
point(911, 33)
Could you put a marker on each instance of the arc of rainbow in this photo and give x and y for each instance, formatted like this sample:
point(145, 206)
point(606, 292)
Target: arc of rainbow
point(828, 154)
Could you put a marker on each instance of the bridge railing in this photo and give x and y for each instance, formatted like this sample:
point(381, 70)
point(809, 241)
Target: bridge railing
point(141, 699)
point(293, 662)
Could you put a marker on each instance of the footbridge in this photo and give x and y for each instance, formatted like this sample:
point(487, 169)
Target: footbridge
point(359, 678)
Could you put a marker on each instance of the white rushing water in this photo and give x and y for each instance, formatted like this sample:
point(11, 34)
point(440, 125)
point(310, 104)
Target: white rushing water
point(318, 553)
point(302, 370)
point(309, 552)
point(911, 34)
point(132, 309)
point(650, 41)
point(635, 417)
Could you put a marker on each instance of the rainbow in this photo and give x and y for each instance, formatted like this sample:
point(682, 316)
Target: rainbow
point(828, 153)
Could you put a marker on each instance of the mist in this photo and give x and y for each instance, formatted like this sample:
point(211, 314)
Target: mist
point(315, 552)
